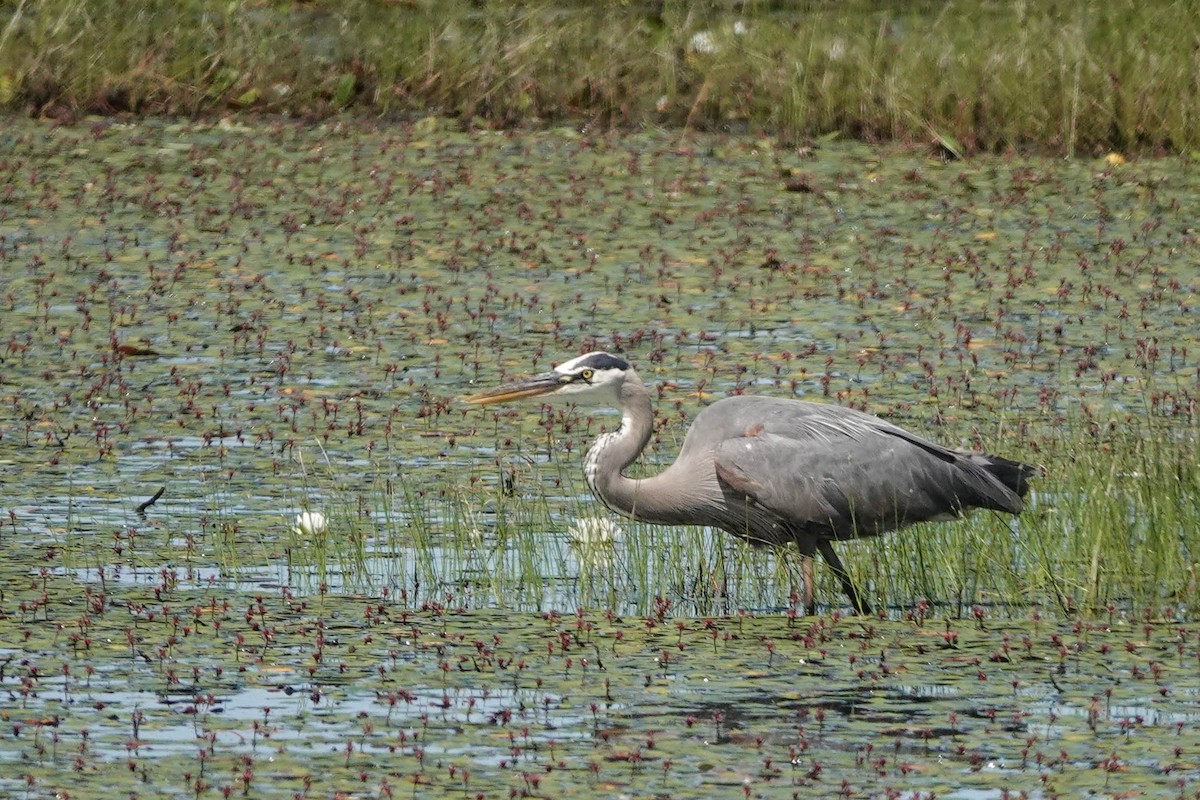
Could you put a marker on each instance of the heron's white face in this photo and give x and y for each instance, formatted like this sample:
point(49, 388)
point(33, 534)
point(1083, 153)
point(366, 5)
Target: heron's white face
point(592, 379)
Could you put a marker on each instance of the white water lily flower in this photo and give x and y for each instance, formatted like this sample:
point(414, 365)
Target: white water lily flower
point(595, 532)
point(309, 523)
point(595, 539)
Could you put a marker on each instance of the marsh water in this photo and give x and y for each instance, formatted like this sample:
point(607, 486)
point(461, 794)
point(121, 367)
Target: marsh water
point(209, 328)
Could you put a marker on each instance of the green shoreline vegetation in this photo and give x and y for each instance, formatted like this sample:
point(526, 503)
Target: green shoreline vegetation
point(974, 76)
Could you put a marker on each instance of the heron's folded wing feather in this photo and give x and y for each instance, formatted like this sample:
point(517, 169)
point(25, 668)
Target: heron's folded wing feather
point(853, 479)
point(798, 484)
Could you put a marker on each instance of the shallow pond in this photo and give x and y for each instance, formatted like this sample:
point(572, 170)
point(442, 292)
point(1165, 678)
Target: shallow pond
point(174, 693)
point(260, 318)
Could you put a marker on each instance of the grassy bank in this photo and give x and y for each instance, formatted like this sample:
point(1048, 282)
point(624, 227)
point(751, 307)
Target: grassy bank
point(1074, 78)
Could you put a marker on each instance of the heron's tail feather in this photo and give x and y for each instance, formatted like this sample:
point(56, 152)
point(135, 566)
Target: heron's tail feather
point(1014, 475)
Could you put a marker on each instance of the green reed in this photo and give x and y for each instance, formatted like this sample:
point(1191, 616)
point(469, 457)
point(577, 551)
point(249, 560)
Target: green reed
point(1070, 78)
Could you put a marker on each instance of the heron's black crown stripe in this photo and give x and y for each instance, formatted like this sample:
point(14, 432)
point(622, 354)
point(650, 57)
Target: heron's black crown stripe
point(603, 361)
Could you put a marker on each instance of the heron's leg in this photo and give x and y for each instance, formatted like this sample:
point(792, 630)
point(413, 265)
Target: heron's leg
point(806, 572)
point(839, 571)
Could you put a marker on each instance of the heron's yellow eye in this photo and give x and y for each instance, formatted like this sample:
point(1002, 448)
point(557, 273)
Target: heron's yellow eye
point(587, 375)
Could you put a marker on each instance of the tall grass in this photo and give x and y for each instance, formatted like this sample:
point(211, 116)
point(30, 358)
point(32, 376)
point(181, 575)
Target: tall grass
point(1072, 78)
point(1112, 525)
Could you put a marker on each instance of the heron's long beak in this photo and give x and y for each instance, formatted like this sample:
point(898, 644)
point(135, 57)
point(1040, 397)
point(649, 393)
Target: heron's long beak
point(534, 386)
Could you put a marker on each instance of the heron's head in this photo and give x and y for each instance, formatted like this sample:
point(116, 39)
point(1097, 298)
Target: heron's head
point(590, 379)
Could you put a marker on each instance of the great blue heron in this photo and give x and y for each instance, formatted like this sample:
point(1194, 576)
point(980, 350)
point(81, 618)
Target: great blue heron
point(774, 470)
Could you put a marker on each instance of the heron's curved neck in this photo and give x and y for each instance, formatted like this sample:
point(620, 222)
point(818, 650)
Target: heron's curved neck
point(640, 499)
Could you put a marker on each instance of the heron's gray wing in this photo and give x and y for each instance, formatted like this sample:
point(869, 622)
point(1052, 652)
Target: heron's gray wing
point(811, 488)
point(973, 472)
point(824, 469)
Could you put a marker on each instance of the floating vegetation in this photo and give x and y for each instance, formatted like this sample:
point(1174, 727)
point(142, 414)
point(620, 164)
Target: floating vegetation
point(211, 331)
point(207, 694)
point(266, 321)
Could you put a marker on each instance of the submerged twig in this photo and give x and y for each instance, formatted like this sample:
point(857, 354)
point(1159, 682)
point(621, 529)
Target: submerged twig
point(141, 510)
